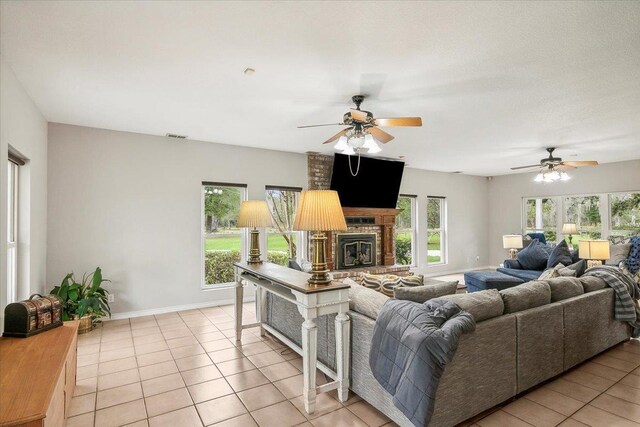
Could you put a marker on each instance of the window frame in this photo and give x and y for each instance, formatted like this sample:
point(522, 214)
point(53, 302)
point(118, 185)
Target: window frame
point(414, 229)
point(610, 229)
point(13, 177)
point(301, 238)
point(442, 230)
point(244, 236)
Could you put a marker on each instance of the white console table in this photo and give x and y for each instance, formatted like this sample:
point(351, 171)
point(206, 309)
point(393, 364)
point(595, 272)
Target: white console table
point(311, 301)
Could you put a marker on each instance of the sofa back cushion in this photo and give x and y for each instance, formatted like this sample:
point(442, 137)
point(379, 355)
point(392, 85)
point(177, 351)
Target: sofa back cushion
point(533, 257)
point(525, 296)
point(364, 300)
point(481, 305)
point(565, 287)
point(592, 283)
point(578, 267)
point(424, 293)
point(560, 255)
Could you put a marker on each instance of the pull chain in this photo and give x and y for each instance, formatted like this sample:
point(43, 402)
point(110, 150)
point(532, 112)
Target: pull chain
point(357, 168)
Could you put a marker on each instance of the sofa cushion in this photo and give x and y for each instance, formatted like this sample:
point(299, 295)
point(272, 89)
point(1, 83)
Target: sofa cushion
point(592, 283)
point(560, 255)
point(526, 296)
point(618, 253)
point(481, 280)
point(512, 263)
point(533, 257)
point(538, 236)
point(579, 268)
point(565, 287)
point(525, 275)
point(481, 305)
point(550, 273)
point(424, 293)
point(364, 300)
point(417, 280)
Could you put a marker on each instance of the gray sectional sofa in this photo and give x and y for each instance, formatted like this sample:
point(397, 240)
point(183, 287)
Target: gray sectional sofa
point(523, 337)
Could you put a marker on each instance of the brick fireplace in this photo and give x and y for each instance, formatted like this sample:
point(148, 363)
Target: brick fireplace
point(378, 223)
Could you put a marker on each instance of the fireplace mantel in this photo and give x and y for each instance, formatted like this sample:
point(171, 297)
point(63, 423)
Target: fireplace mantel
point(382, 218)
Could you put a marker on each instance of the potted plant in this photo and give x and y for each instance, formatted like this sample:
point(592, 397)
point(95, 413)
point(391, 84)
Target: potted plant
point(87, 300)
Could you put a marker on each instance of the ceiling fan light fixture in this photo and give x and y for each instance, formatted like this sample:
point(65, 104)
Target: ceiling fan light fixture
point(564, 176)
point(349, 151)
point(341, 145)
point(371, 144)
point(539, 177)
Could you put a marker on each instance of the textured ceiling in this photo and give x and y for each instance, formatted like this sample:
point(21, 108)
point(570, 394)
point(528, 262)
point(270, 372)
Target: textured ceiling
point(493, 82)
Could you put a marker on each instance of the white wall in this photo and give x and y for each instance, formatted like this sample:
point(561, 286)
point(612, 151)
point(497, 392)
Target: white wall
point(25, 129)
point(130, 203)
point(467, 218)
point(506, 193)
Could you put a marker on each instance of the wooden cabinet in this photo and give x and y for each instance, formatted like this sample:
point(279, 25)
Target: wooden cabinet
point(37, 377)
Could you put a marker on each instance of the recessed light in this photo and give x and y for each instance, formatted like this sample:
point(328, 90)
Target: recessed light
point(401, 157)
point(249, 71)
point(176, 136)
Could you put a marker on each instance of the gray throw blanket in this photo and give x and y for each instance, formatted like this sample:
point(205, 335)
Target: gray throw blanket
point(411, 345)
point(627, 294)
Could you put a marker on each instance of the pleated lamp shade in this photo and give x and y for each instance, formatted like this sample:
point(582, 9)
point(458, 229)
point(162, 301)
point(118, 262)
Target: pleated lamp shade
point(319, 210)
point(254, 214)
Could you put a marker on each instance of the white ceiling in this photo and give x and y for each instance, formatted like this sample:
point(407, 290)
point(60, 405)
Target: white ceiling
point(493, 82)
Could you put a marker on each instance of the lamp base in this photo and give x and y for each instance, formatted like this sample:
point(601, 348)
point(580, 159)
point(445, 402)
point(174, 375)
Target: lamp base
point(593, 262)
point(319, 271)
point(513, 253)
point(254, 251)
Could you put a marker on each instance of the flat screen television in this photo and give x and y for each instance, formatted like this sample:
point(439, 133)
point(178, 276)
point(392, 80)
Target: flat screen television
point(376, 185)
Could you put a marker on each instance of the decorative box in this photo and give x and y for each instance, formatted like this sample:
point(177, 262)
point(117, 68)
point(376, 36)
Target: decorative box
point(37, 314)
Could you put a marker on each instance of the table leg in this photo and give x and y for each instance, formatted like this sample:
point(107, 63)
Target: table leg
point(309, 360)
point(260, 296)
point(238, 307)
point(343, 348)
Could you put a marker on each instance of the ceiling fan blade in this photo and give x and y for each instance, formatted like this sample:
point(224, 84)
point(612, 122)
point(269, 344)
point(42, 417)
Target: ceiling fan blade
point(527, 167)
point(315, 126)
point(399, 121)
point(563, 167)
point(337, 135)
point(380, 135)
point(581, 163)
point(358, 115)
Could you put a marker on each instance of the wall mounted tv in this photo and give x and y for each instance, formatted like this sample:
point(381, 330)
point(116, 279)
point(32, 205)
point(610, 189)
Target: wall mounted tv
point(376, 185)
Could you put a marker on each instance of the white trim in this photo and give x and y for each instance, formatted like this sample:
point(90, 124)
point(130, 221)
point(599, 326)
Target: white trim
point(183, 307)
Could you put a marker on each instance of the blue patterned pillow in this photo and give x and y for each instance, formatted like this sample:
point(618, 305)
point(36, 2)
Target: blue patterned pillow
point(633, 262)
point(560, 255)
point(533, 257)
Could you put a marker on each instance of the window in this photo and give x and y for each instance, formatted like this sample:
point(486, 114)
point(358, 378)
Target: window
point(540, 217)
point(436, 230)
point(12, 232)
point(406, 230)
point(222, 240)
point(624, 215)
point(282, 242)
point(584, 212)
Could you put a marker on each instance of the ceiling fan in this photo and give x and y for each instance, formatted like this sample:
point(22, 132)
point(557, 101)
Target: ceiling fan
point(554, 169)
point(363, 129)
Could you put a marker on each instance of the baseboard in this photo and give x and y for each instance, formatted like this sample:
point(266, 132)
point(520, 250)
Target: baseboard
point(148, 312)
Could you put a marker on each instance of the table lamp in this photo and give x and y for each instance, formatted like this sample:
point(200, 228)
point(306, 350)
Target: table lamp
point(318, 211)
point(513, 242)
point(569, 229)
point(594, 251)
point(254, 214)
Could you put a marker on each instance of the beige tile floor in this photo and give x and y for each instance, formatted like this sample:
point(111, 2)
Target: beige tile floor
point(185, 369)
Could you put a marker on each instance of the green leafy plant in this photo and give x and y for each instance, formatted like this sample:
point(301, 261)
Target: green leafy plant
point(85, 298)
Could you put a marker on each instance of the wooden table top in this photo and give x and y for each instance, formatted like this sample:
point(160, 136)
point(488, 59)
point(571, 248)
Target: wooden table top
point(29, 370)
point(288, 277)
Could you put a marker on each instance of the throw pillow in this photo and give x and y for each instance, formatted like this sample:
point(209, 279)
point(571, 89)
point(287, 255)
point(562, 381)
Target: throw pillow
point(550, 273)
point(481, 305)
point(417, 280)
point(384, 282)
point(559, 254)
point(565, 287)
point(578, 267)
point(306, 266)
point(525, 296)
point(533, 257)
point(423, 293)
point(575, 256)
point(618, 253)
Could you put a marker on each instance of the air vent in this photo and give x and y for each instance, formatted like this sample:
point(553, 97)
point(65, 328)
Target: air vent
point(456, 172)
point(176, 136)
